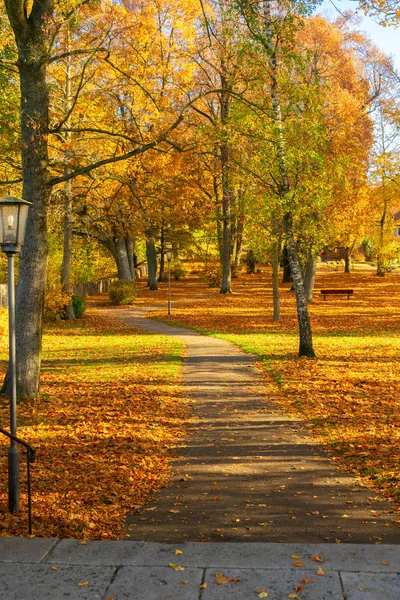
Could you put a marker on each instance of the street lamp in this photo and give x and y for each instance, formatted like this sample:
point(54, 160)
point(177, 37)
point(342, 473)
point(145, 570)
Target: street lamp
point(13, 217)
point(168, 254)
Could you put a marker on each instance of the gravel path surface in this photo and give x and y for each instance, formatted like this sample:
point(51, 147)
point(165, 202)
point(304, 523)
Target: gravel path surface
point(248, 472)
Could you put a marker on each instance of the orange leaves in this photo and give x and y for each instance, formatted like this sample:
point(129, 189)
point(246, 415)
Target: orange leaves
point(109, 414)
point(223, 580)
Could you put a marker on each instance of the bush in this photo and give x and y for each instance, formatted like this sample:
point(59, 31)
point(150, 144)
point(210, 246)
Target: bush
point(213, 278)
point(55, 301)
point(122, 292)
point(79, 306)
point(177, 271)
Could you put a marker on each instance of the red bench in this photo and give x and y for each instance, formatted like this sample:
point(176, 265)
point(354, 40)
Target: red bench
point(335, 292)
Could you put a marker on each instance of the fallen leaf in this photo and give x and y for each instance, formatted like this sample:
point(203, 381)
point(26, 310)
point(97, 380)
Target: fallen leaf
point(222, 580)
point(320, 571)
point(298, 563)
point(308, 580)
point(174, 511)
point(185, 581)
point(296, 556)
point(204, 586)
point(385, 562)
point(178, 552)
point(293, 596)
point(317, 558)
point(83, 583)
point(54, 568)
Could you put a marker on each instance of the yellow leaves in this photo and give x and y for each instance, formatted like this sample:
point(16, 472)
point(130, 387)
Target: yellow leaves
point(223, 580)
point(176, 567)
point(298, 563)
point(83, 583)
point(262, 593)
point(178, 552)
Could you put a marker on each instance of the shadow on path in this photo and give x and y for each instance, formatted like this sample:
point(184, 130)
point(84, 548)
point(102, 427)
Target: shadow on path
point(248, 472)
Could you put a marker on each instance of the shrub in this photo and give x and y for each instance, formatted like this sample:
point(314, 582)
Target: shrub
point(213, 278)
point(55, 301)
point(122, 292)
point(177, 271)
point(79, 306)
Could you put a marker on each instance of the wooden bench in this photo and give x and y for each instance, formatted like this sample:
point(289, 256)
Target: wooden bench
point(335, 292)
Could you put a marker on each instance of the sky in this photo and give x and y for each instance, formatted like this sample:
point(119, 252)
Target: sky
point(386, 38)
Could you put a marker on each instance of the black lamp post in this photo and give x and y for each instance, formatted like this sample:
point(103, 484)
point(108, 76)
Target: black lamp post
point(13, 217)
point(168, 254)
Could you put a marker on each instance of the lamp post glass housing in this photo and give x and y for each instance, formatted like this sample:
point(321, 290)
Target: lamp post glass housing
point(13, 218)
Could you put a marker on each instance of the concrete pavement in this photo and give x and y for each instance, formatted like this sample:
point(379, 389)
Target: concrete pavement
point(51, 569)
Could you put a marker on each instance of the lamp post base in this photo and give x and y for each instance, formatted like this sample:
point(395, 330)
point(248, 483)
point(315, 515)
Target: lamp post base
point(13, 479)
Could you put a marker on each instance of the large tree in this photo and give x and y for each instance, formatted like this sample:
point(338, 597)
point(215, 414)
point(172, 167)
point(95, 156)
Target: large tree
point(37, 26)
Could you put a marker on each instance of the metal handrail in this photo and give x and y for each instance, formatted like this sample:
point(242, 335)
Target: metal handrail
point(30, 458)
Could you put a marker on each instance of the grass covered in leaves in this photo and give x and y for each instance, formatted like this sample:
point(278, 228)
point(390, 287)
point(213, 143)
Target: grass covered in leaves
point(111, 409)
point(351, 393)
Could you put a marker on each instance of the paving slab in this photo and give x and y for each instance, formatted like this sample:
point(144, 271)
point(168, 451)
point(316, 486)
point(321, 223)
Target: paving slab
point(42, 582)
point(358, 586)
point(247, 471)
point(277, 584)
point(18, 549)
point(336, 557)
point(145, 583)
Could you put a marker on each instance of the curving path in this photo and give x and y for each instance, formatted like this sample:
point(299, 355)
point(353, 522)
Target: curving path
point(248, 472)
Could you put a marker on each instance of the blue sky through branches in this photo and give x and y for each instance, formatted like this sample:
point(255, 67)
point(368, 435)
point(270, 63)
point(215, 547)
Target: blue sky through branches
point(386, 38)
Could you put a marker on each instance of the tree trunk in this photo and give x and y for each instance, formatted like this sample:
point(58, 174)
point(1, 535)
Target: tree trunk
point(151, 255)
point(309, 275)
point(67, 199)
point(121, 247)
point(130, 254)
point(305, 334)
point(224, 153)
point(347, 260)
point(303, 319)
point(161, 276)
point(380, 263)
point(67, 246)
point(31, 43)
point(287, 272)
point(276, 259)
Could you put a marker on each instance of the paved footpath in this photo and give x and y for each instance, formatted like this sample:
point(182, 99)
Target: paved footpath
point(249, 479)
point(247, 471)
point(49, 569)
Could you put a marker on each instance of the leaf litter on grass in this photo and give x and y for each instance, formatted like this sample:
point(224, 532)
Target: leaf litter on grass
point(110, 413)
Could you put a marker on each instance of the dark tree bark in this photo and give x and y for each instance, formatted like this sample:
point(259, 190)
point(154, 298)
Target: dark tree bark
point(287, 272)
point(121, 247)
point(151, 256)
point(347, 260)
point(31, 39)
point(161, 275)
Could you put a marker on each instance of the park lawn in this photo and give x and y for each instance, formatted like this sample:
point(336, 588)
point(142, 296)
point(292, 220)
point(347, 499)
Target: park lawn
point(110, 413)
point(350, 394)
